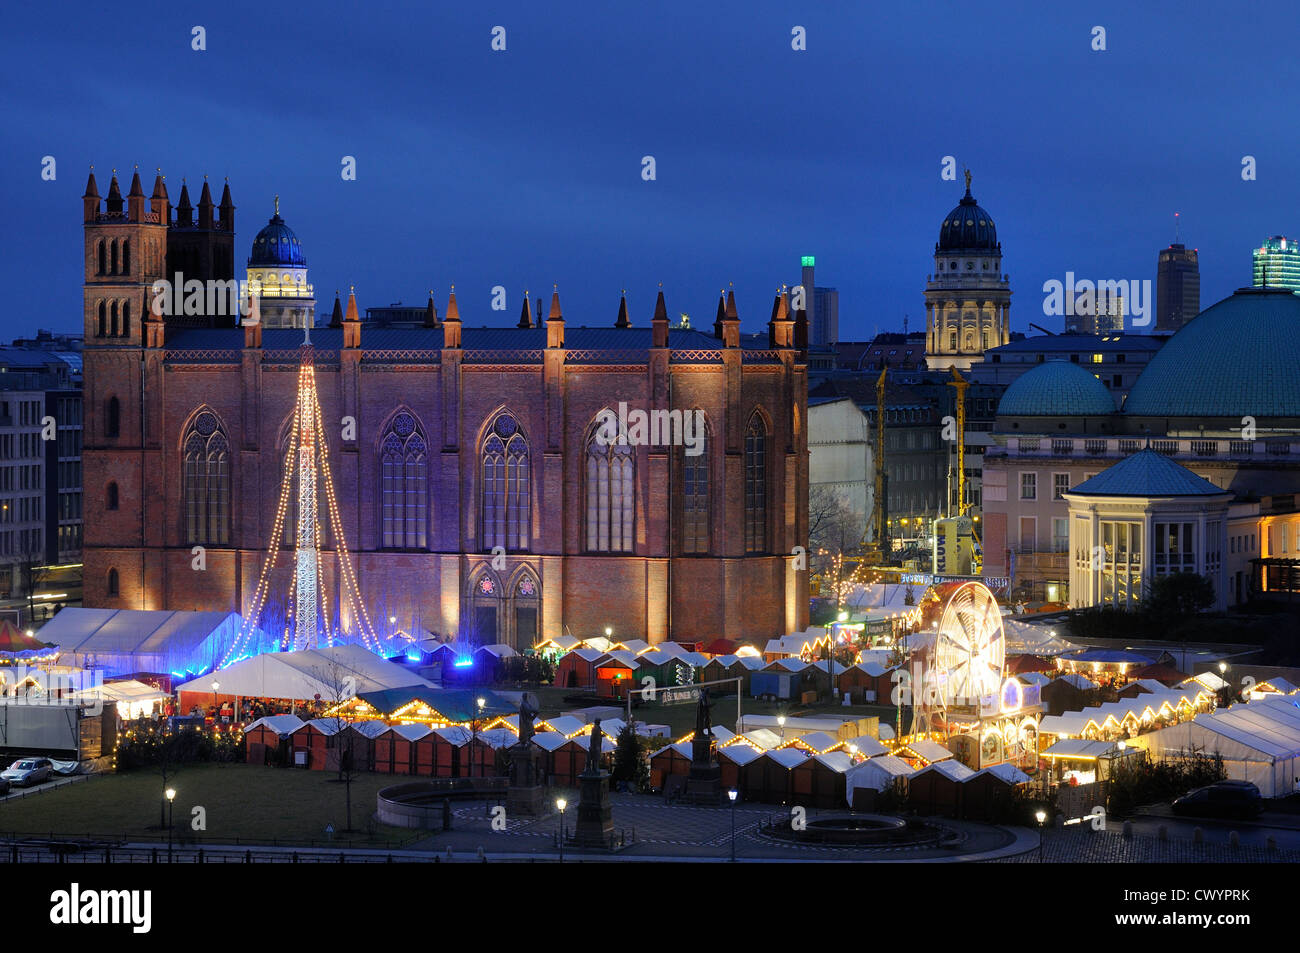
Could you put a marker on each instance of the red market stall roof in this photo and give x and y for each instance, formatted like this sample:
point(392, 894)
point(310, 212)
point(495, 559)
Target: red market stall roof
point(720, 647)
point(16, 643)
point(1021, 664)
point(1166, 674)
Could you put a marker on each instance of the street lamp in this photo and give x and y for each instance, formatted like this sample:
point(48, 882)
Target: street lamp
point(780, 720)
point(1041, 817)
point(171, 797)
point(609, 631)
point(733, 793)
point(481, 702)
point(215, 685)
point(561, 803)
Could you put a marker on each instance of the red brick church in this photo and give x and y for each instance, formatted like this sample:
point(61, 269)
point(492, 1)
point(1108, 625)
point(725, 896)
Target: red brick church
point(466, 441)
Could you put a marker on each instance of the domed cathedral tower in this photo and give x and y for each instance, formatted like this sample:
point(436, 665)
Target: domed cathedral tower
point(277, 271)
point(967, 299)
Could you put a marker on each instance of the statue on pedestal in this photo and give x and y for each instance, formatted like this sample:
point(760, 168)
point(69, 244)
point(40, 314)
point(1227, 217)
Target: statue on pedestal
point(593, 750)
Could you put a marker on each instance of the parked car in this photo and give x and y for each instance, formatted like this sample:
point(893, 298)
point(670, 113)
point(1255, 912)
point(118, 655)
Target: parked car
point(1221, 799)
point(28, 771)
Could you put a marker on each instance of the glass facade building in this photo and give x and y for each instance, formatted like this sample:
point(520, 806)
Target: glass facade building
point(1277, 264)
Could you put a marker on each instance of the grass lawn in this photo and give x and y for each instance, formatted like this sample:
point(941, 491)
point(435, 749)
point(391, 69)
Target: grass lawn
point(243, 802)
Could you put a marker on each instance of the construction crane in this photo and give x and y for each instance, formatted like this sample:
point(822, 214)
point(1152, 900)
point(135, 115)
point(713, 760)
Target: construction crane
point(959, 384)
point(878, 548)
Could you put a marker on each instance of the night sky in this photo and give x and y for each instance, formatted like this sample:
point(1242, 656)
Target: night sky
point(523, 168)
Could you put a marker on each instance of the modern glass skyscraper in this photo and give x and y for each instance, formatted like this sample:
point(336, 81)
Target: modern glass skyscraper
point(1178, 287)
point(1277, 264)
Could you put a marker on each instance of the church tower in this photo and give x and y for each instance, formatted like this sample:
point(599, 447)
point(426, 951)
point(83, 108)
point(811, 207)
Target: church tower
point(967, 299)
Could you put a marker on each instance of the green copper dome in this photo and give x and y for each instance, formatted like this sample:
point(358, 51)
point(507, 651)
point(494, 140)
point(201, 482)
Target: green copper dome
point(1056, 389)
point(1236, 358)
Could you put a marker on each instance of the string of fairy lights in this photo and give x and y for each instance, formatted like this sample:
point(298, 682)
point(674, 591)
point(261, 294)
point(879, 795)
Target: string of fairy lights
point(309, 450)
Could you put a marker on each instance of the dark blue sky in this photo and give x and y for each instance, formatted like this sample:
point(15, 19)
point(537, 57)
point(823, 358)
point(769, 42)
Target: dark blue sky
point(523, 168)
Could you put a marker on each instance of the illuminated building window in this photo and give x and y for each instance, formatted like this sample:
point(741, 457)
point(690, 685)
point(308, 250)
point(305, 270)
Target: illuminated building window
point(611, 495)
point(506, 509)
point(206, 482)
point(404, 490)
point(756, 486)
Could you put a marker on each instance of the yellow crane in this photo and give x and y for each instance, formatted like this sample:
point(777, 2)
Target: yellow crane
point(960, 384)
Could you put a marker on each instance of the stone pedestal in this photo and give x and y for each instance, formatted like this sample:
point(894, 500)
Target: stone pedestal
point(704, 782)
point(595, 822)
point(526, 794)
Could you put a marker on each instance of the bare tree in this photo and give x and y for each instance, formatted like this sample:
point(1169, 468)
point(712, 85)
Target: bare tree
point(341, 686)
point(833, 528)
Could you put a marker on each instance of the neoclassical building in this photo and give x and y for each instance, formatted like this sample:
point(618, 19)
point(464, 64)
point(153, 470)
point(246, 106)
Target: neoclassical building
point(468, 480)
point(1198, 470)
point(968, 298)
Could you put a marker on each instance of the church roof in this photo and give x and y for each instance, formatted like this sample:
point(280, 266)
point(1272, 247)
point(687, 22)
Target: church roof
point(619, 345)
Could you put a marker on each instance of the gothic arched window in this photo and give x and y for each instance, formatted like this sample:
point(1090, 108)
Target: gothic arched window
point(101, 254)
point(112, 583)
point(126, 319)
point(506, 510)
point(756, 486)
point(695, 498)
point(611, 493)
point(110, 497)
point(113, 258)
point(206, 481)
point(403, 458)
point(126, 256)
point(112, 323)
point(103, 319)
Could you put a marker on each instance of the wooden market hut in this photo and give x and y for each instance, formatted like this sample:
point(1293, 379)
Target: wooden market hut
point(570, 759)
point(936, 789)
point(310, 744)
point(614, 677)
point(395, 749)
point(673, 759)
point(450, 759)
point(818, 781)
point(578, 668)
point(735, 761)
point(990, 795)
point(770, 778)
point(358, 738)
point(263, 738)
point(1070, 692)
point(731, 666)
point(549, 742)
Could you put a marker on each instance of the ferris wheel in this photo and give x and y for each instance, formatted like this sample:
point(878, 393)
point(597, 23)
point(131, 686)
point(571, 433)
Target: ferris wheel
point(963, 660)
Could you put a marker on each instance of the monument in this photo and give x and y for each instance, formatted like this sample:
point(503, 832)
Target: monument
point(704, 782)
point(595, 826)
point(527, 791)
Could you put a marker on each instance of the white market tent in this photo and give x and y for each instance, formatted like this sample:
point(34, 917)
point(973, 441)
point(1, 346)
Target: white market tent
point(1023, 638)
point(303, 675)
point(874, 773)
point(1259, 742)
point(133, 699)
point(125, 641)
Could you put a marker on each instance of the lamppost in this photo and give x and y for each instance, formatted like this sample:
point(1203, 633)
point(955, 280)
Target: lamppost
point(780, 720)
point(609, 632)
point(171, 797)
point(733, 793)
point(1041, 817)
point(561, 803)
point(215, 686)
point(479, 702)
